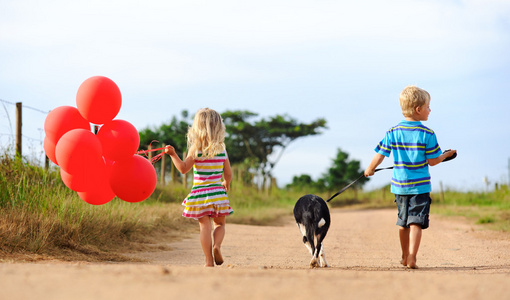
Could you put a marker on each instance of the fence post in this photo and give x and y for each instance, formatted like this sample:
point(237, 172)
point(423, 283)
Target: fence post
point(150, 153)
point(18, 129)
point(163, 167)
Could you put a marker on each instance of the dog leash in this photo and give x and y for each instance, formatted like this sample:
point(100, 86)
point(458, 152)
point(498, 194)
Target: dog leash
point(376, 170)
point(349, 185)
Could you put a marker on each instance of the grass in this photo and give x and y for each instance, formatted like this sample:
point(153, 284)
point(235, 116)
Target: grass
point(251, 206)
point(489, 209)
point(42, 217)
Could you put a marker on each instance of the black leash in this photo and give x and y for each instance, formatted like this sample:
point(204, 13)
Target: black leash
point(349, 185)
point(376, 170)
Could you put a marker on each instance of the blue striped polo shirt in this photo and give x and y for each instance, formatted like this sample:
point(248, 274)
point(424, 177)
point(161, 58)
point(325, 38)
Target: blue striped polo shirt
point(411, 144)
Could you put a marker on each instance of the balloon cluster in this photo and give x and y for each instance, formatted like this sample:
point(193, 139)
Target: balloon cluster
point(98, 167)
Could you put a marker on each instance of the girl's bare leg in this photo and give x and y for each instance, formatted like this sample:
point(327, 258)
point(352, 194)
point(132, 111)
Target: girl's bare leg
point(404, 244)
point(205, 240)
point(218, 235)
point(414, 245)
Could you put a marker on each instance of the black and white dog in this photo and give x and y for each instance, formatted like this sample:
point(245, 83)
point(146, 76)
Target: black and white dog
point(312, 217)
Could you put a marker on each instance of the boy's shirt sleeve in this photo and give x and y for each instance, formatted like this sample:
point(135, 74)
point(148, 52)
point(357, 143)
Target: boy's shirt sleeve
point(432, 149)
point(384, 146)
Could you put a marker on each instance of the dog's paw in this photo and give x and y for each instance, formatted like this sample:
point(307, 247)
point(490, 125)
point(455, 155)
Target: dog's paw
point(314, 263)
point(324, 265)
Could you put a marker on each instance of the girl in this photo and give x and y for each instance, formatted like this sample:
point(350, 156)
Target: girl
point(208, 197)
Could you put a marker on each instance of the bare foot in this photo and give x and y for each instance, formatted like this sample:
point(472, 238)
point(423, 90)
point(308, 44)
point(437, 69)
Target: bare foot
point(411, 263)
point(209, 262)
point(403, 261)
point(218, 259)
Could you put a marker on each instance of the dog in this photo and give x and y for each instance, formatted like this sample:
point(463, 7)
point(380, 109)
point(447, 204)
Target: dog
point(312, 217)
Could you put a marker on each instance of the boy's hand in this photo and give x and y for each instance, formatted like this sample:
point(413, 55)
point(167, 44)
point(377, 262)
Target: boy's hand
point(369, 172)
point(169, 150)
point(449, 154)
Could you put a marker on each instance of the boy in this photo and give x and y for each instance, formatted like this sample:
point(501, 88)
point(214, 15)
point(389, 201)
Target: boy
point(414, 148)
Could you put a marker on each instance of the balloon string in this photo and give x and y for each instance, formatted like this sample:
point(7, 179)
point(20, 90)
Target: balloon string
point(150, 150)
point(155, 158)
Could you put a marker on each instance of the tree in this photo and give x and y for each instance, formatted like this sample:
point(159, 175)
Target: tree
point(264, 140)
point(256, 144)
point(173, 133)
point(342, 172)
point(303, 182)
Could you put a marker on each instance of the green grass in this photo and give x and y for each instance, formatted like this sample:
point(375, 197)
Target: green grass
point(41, 216)
point(489, 209)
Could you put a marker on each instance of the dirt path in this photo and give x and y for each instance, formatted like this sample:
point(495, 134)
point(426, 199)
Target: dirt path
point(457, 261)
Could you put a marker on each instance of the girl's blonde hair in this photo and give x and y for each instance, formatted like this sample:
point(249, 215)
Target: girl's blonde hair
point(412, 97)
point(207, 134)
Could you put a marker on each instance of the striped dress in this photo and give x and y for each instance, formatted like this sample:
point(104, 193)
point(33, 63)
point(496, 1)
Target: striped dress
point(207, 197)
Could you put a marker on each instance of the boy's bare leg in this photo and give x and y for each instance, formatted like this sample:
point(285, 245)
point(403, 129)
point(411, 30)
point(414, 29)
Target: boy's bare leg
point(218, 235)
point(206, 240)
point(404, 244)
point(414, 245)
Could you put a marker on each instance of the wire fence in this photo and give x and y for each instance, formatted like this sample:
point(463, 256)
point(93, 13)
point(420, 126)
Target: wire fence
point(32, 131)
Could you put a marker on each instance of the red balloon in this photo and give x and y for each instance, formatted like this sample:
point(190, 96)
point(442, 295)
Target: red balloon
point(49, 149)
point(98, 196)
point(79, 150)
point(119, 139)
point(87, 179)
point(61, 120)
point(98, 99)
point(133, 179)
point(100, 193)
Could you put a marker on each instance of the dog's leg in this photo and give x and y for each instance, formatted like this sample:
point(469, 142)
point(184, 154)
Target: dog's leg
point(322, 258)
point(305, 240)
point(314, 263)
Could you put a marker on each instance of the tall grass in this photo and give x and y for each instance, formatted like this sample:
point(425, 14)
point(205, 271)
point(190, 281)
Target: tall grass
point(40, 215)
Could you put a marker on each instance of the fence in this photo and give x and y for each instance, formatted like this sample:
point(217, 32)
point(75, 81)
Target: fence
point(22, 131)
point(14, 142)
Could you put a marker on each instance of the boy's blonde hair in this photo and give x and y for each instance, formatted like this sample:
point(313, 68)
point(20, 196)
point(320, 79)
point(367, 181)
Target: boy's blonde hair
point(207, 134)
point(412, 97)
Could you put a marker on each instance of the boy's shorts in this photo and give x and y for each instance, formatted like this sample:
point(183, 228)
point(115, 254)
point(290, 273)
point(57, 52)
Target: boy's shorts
point(413, 209)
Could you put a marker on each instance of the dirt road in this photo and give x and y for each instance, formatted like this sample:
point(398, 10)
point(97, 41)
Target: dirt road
point(456, 260)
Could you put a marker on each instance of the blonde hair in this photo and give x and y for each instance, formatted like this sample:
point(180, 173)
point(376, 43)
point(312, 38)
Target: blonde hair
point(412, 97)
point(207, 134)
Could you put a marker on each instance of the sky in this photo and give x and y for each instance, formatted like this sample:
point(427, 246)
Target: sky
point(345, 61)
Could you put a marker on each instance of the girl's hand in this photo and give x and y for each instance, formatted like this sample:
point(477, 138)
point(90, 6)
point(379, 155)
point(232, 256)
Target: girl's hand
point(170, 150)
point(226, 185)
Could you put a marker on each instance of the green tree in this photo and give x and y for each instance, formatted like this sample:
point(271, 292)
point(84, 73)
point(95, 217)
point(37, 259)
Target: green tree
point(342, 172)
point(304, 182)
point(264, 141)
point(255, 145)
point(173, 133)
